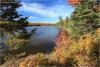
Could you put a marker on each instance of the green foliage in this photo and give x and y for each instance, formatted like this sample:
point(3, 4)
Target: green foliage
point(15, 44)
point(9, 57)
point(61, 21)
point(9, 18)
point(23, 34)
point(15, 48)
point(8, 26)
point(85, 18)
point(8, 9)
point(94, 52)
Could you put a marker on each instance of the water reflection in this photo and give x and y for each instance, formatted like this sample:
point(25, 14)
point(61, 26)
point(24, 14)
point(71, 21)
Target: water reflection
point(41, 38)
point(44, 32)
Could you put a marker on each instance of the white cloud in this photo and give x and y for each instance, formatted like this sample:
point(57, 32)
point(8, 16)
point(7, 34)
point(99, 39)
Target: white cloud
point(50, 12)
point(31, 17)
point(37, 8)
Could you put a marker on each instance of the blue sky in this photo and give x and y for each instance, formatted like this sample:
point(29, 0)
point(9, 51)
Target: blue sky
point(45, 10)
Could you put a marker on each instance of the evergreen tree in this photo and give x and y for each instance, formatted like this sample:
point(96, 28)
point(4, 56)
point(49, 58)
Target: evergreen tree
point(8, 12)
point(85, 18)
point(61, 21)
point(67, 19)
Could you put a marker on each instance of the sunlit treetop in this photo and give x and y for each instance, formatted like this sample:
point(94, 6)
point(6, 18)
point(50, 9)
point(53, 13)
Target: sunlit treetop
point(73, 2)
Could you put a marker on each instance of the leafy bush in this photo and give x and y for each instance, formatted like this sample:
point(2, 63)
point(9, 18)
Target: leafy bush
point(15, 44)
point(15, 48)
point(47, 60)
point(85, 50)
point(35, 60)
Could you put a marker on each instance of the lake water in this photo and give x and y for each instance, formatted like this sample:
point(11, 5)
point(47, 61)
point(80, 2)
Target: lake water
point(43, 39)
point(43, 32)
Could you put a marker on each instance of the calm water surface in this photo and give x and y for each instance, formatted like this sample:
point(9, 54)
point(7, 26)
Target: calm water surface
point(44, 32)
point(42, 39)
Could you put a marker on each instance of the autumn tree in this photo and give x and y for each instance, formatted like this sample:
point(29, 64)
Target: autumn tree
point(73, 2)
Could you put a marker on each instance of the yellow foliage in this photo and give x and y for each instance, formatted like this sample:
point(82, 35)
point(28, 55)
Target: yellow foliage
point(27, 62)
point(74, 53)
point(15, 43)
point(98, 31)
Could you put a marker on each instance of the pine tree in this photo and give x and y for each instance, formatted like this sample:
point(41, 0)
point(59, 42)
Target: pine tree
point(85, 18)
point(8, 12)
point(61, 21)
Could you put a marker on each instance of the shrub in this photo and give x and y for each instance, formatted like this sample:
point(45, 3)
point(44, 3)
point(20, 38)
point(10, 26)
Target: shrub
point(35, 60)
point(48, 60)
point(84, 52)
point(15, 48)
point(15, 44)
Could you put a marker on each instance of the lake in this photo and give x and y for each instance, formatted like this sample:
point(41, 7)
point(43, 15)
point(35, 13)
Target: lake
point(42, 39)
point(43, 32)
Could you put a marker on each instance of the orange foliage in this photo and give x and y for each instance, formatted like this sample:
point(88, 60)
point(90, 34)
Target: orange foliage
point(62, 39)
point(62, 60)
point(73, 2)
